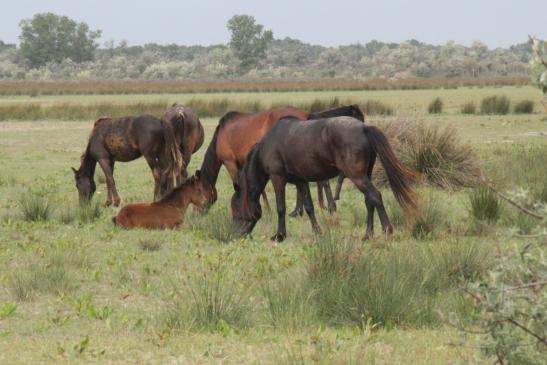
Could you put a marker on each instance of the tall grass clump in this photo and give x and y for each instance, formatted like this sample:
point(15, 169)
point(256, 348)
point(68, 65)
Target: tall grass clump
point(90, 212)
point(485, 204)
point(45, 277)
point(524, 107)
point(435, 106)
point(469, 108)
point(375, 107)
point(217, 225)
point(438, 154)
point(495, 104)
point(213, 301)
point(289, 302)
point(431, 219)
point(35, 207)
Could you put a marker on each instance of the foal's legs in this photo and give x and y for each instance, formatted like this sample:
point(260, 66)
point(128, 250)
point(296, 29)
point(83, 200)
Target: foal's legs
point(279, 187)
point(304, 192)
point(108, 168)
point(341, 178)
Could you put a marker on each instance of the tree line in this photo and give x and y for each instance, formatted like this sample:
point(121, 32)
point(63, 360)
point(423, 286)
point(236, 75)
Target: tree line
point(56, 47)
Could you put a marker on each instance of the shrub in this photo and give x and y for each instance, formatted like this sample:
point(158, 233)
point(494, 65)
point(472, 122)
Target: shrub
point(436, 106)
point(524, 107)
point(375, 107)
point(439, 155)
point(431, 218)
point(218, 225)
point(495, 105)
point(469, 108)
point(485, 204)
point(49, 277)
point(35, 207)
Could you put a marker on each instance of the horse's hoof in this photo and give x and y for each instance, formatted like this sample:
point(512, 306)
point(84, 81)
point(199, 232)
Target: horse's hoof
point(332, 209)
point(117, 202)
point(368, 236)
point(296, 213)
point(278, 237)
point(108, 203)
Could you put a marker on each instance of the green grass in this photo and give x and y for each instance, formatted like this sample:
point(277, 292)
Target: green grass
point(88, 292)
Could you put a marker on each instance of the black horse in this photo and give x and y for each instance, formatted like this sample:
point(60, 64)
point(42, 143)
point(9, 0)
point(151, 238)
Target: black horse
point(296, 152)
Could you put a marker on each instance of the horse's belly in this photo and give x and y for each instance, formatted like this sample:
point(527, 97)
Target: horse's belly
point(120, 148)
point(311, 174)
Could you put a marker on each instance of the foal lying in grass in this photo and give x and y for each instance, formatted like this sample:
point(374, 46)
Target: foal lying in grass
point(168, 212)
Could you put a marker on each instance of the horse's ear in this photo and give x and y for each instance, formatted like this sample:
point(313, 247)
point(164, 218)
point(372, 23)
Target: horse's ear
point(174, 104)
point(76, 172)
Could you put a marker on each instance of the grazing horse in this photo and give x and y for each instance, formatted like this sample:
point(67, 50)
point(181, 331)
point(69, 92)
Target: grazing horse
point(238, 132)
point(168, 212)
point(126, 139)
point(296, 153)
point(188, 133)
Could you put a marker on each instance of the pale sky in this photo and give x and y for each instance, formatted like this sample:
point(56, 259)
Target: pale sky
point(498, 23)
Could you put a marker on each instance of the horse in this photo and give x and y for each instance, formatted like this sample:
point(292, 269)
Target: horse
point(296, 153)
point(237, 132)
point(166, 213)
point(126, 139)
point(188, 133)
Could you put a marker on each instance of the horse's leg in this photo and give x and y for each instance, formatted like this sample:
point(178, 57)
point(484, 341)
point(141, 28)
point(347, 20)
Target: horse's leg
point(186, 157)
point(328, 193)
point(299, 207)
point(339, 183)
point(265, 200)
point(279, 187)
point(157, 175)
point(373, 199)
point(108, 168)
point(320, 199)
point(304, 190)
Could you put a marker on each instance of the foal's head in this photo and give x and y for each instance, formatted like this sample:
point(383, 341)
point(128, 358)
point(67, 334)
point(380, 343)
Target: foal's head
point(85, 185)
point(196, 192)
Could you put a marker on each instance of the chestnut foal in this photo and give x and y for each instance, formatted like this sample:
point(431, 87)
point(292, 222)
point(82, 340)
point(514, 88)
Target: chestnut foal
point(166, 213)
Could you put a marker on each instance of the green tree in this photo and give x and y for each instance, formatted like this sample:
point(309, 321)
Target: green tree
point(248, 40)
point(539, 66)
point(48, 37)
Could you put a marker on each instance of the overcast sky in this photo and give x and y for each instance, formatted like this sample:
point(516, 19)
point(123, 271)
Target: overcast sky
point(498, 23)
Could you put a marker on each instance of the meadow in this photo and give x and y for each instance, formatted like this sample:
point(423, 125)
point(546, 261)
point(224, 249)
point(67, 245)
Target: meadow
point(76, 289)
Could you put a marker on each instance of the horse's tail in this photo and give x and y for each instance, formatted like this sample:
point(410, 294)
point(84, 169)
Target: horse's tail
point(399, 176)
point(174, 161)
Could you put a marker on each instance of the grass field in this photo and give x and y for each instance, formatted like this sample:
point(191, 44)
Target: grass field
point(76, 289)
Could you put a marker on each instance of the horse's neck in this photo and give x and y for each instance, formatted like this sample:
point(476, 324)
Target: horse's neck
point(210, 168)
point(87, 168)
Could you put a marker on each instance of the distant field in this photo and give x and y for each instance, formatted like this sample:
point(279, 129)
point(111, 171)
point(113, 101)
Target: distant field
point(97, 294)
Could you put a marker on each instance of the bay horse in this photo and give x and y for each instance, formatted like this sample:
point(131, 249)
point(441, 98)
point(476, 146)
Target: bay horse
point(237, 133)
point(188, 133)
point(166, 213)
point(296, 153)
point(126, 139)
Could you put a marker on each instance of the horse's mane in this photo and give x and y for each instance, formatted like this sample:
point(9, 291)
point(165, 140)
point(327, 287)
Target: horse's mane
point(346, 110)
point(96, 125)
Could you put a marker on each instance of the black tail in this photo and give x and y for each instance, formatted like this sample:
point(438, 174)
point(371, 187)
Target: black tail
point(400, 177)
point(343, 111)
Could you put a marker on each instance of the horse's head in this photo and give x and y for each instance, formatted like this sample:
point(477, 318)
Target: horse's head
point(244, 212)
point(198, 195)
point(85, 185)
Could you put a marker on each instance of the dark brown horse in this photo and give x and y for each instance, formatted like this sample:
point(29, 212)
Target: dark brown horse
point(168, 212)
point(238, 132)
point(188, 133)
point(126, 139)
point(295, 152)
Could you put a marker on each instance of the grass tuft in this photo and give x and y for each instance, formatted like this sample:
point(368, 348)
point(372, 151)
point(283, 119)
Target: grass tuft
point(35, 207)
point(469, 108)
point(436, 106)
point(495, 104)
point(485, 204)
point(524, 107)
